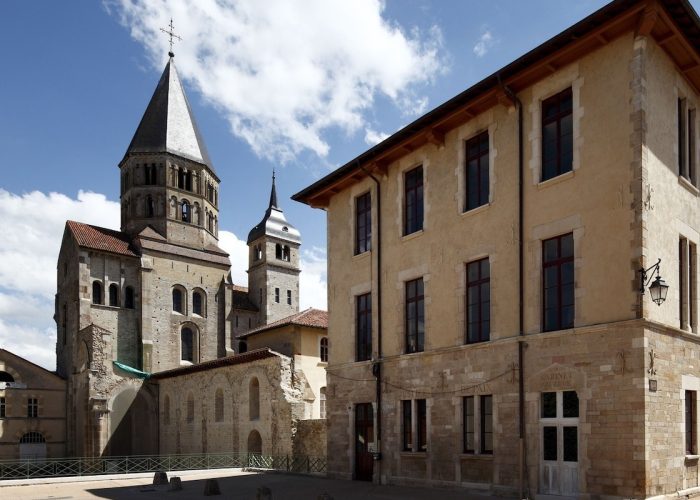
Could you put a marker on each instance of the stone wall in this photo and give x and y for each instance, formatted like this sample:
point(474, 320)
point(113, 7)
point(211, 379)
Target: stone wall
point(311, 438)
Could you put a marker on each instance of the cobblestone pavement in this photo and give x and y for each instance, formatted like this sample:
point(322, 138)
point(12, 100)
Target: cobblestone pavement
point(233, 483)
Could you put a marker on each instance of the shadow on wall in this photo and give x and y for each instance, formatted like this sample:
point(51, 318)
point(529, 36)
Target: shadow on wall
point(133, 423)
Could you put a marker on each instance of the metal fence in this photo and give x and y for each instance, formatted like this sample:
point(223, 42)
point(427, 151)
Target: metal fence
point(89, 466)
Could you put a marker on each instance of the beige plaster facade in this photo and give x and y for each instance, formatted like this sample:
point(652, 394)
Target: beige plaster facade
point(32, 410)
point(630, 363)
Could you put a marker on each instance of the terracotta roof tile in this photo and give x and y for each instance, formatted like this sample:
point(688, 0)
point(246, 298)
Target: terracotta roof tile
point(314, 318)
point(100, 238)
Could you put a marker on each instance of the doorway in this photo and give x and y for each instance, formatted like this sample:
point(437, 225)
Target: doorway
point(364, 435)
point(559, 413)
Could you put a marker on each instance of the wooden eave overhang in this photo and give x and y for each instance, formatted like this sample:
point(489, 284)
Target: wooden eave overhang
point(673, 24)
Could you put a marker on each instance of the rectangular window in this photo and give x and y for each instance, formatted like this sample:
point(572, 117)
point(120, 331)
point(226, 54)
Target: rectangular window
point(691, 147)
point(3, 408)
point(690, 439)
point(468, 417)
point(289, 297)
point(557, 135)
point(413, 201)
point(486, 424)
point(363, 223)
point(682, 139)
point(32, 408)
point(478, 301)
point(422, 421)
point(407, 424)
point(363, 328)
point(477, 172)
point(277, 295)
point(687, 284)
point(558, 282)
point(415, 316)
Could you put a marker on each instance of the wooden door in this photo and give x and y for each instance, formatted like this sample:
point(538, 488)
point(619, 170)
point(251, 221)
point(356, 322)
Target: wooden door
point(364, 435)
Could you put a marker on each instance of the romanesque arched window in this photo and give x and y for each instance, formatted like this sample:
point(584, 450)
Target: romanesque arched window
point(254, 399)
point(199, 303)
point(190, 408)
point(278, 251)
point(322, 402)
point(180, 178)
point(96, 292)
point(177, 301)
point(187, 344)
point(114, 295)
point(188, 180)
point(254, 443)
point(129, 297)
point(6, 377)
point(285, 253)
point(166, 410)
point(185, 210)
point(242, 346)
point(219, 406)
point(323, 348)
point(210, 222)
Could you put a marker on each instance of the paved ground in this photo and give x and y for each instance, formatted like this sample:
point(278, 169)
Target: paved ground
point(234, 484)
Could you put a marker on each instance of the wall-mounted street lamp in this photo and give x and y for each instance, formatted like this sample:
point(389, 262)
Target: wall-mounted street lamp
point(658, 288)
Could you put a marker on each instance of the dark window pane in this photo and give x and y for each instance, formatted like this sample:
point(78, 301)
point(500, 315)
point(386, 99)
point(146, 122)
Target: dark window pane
point(407, 426)
point(422, 421)
point(570, 444)
point(549, 443)
point(567, 245)
point(469, 424)
point(551, 250)
point(570, 404)
point(549, 405)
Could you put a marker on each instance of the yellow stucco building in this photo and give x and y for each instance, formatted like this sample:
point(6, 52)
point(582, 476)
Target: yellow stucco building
point(487, 324)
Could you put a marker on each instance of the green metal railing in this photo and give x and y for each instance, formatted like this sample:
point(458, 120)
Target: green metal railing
point(89, 466)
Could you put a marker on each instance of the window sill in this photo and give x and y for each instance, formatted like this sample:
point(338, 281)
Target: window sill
point(413, 235)
point(322, 364)
point(105, 306)
point(362, 256)
point(477, 210)
point(476, 456)
point(688, 185)
point(692, 458)
point(556, 180)
point(414, 454)
point(185, 363)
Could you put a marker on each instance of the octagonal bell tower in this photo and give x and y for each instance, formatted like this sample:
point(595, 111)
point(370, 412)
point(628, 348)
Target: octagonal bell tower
point(168, 181)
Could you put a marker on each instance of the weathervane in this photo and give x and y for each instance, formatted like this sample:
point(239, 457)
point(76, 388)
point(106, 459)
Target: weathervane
point(171, 34)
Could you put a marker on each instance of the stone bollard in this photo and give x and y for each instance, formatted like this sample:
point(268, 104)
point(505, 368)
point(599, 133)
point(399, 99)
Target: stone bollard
point(325, 496)
point(211, 487)
point(160, 478)
point(264, 493)
point(175, 484)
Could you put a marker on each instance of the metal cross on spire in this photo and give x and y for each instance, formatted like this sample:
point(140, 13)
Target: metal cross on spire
point(171, 34)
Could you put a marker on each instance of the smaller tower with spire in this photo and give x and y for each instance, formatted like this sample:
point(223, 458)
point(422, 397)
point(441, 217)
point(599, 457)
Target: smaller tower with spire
point(273, 264)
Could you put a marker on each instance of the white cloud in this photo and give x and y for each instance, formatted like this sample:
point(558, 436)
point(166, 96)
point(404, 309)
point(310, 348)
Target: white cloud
point(486, 41)
point(284, 72)
point(373, 137)
point(312, 281)
point(33, 225)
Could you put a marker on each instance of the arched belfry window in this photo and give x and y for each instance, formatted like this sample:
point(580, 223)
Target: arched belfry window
point(210, 222)
point(278, 251)
point(150, 206)
point(180, 178)
point(187, 344)
point(96, 292)
point(188, 180)
point(199, 303)
point(114, 295)
point(185, 208)
point(129, 297)
point(177, 301)
point(285, 253)
point(254, 399)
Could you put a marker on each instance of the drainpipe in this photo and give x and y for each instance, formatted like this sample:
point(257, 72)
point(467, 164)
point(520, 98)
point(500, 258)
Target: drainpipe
point(521, 286)
point(376, 366)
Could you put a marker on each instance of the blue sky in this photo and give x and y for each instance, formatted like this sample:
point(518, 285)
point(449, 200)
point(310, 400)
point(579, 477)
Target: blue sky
point(302, 87)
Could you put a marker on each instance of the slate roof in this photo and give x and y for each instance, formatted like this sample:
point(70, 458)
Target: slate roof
point(314, 318)
point(168, 125)
point(274, 222)
point(100, 238)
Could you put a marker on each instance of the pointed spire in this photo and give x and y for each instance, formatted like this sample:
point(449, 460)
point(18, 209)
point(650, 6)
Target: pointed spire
point(168, 124)
point(273, 193)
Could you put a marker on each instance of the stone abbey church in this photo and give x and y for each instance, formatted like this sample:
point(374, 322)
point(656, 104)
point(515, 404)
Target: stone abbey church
point(154, 304)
